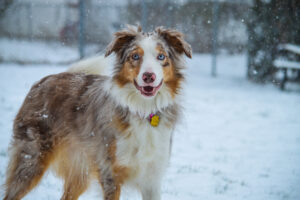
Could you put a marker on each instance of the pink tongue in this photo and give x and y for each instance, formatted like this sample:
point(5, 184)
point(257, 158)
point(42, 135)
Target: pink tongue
point(148, 89)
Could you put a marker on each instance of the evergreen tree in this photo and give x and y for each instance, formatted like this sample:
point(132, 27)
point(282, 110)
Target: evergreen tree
point(270, 23)
point(4, 5)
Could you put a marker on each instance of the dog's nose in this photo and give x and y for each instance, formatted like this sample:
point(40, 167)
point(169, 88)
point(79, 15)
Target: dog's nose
point(149, 77)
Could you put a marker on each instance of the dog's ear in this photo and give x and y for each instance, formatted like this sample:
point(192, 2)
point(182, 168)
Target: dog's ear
point(175, 40)
point(122, 38)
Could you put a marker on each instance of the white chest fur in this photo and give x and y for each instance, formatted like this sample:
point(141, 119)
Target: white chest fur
point(145, 150)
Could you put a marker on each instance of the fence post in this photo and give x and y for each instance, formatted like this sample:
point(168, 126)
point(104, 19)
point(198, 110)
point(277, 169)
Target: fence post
point(30, 18)
point(215, 37)
point(81, 28)
point(168, 23)
point(144, 15)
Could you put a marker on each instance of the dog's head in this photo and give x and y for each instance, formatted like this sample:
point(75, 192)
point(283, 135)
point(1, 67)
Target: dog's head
point(149, 65)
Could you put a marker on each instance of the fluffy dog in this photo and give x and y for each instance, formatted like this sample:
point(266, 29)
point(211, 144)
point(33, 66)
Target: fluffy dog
point(117, 129)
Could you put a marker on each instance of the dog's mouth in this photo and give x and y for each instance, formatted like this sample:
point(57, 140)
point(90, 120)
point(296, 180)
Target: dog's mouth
point(148, 90)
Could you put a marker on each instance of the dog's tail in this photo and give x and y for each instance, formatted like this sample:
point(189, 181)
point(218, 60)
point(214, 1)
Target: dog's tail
point(94, 65)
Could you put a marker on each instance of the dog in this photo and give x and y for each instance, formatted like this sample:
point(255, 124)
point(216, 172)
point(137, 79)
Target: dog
point(98, 64)
point(116, 129)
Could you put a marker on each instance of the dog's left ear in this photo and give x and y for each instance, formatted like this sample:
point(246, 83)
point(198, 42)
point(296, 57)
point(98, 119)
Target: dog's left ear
point(175, 40)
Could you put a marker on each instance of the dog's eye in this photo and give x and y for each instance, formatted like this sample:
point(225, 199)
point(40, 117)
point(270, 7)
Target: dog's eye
point(135, 56)
point(161, 56)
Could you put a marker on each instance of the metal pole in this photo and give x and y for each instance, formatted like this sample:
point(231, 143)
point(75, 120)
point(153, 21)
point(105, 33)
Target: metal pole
point(81, 28)
point(215, 38)
point(167, 3)
point(30, 21)
point(144, 15)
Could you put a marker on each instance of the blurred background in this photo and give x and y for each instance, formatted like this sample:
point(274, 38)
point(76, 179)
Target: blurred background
point(239, 136)
point(267, 29)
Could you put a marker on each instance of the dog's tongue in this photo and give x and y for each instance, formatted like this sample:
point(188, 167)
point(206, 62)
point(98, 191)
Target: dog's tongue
point(148, 88)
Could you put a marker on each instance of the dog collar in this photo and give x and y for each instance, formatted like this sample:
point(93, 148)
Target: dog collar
point(154, 119)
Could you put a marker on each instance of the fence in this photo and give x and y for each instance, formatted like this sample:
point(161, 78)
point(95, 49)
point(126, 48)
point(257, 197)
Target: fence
point(60, 21)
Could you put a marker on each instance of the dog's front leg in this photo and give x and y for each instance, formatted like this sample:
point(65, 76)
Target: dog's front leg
point(151, 192)
point(111, 189)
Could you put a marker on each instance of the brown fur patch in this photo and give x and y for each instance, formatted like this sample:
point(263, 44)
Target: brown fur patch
point(24, 173)
point(172, 77)
point(175, 40)
point(120, 124)
point(122, 39)
point(120, 173)
point(74, 166)
point(173, 80)
point(130, 68)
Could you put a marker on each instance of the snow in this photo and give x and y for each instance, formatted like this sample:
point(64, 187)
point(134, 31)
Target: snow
point(281, 63)
point(290, 47)
point(24, 52)
point(236, 139)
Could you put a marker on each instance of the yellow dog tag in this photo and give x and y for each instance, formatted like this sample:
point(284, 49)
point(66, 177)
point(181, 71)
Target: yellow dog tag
point(154, 120)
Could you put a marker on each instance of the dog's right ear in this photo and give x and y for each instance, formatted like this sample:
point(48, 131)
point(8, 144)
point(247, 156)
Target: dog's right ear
point(122, 38)
point(175, 40)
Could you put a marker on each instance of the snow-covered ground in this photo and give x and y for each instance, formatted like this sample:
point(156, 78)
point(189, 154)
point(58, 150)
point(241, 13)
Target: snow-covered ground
point(40, 52)
point(237, 140)
point(24, 51)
